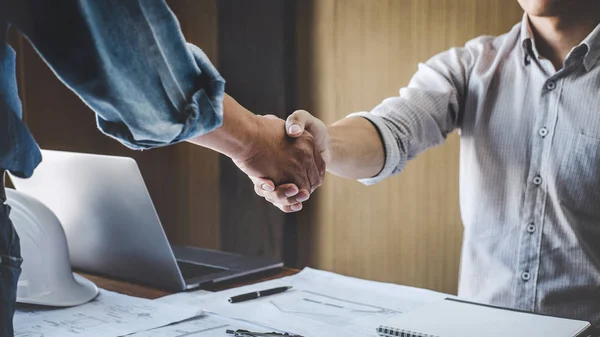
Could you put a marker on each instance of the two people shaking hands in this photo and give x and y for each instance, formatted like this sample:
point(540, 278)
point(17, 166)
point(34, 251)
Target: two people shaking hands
point(287, 160)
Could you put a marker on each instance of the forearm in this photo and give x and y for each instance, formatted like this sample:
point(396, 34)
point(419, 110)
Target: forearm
point(235, 136)
point(356, 149)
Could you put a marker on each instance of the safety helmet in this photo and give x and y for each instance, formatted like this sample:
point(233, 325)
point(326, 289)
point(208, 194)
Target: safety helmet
point(46, 277)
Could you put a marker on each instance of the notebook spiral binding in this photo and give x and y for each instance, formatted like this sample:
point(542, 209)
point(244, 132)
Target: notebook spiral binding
point(388, 331)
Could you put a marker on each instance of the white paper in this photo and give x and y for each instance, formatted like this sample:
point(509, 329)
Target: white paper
point(457, 319)
point(188, 298)
point(320, 304)
point(207, 325)
point(111, 314)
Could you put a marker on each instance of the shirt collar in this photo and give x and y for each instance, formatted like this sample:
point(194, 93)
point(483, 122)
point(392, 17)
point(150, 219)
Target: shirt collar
point(527, 42)
point(592, 42)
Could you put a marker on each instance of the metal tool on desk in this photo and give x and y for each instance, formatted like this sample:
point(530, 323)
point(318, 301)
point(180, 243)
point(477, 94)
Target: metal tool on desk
point(246, 333)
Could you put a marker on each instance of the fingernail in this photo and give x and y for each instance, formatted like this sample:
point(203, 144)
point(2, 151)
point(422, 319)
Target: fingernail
point(302, 198)
point(296, 207)
point(291, 192)
point(295, 128)
point(267, 187)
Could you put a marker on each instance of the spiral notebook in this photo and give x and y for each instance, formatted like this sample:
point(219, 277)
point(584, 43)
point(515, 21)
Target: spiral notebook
point(455, 318)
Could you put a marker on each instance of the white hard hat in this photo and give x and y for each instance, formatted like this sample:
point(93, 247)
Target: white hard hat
point(46, 277)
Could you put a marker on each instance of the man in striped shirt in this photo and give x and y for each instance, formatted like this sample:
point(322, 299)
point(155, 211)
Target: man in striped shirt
point(527, 107)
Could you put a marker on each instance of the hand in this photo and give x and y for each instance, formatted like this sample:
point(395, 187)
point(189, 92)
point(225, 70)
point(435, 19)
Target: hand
point(283, 159)
point(288, 197)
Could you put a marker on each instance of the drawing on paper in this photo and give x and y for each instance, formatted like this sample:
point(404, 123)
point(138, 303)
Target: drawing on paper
point(110, 314)
point(191, 330)
point(127, 312)
point(78, 324)
point(208, 325)
point(327, 309)
point(29, 334)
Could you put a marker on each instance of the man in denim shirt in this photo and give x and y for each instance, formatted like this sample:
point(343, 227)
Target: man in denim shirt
point(129, 62)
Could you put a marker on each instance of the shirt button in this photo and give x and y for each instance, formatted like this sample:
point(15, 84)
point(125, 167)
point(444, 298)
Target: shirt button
point(543, 132)
point(537, 180)
point(531, 228)
point(551, 85)
point(525, 276)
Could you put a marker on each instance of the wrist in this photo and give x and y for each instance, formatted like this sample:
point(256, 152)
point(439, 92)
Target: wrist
point(238, 137)
point(248, 139)
point(335, 147)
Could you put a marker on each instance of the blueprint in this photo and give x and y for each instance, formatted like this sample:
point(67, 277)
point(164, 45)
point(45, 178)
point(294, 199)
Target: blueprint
point(320, 304)
point(111, 314)
point(204, 326)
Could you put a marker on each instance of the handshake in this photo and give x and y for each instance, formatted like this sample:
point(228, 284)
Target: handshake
point(286, 160)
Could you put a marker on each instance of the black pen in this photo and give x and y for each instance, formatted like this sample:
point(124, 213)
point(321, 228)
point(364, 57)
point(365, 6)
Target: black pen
point(257, 294)
point(246, 333)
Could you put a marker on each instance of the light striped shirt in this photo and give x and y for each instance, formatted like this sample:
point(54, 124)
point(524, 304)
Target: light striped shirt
point(529, 166)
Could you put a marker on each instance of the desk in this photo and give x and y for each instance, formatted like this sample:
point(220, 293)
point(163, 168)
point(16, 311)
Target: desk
point(153, 293)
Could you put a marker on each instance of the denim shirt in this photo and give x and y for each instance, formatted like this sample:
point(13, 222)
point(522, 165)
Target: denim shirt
point(127, 60)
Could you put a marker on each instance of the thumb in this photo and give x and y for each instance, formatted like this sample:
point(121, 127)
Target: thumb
point(302, 120)
point(297, 122)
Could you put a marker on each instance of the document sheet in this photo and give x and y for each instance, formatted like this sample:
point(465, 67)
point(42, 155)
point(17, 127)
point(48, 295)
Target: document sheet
point(204, 326)
point(111, 314)
point(320, 304)
point(461, 319)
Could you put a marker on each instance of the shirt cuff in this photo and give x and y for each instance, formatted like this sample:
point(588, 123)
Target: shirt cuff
point(205, 109)
point(202, 112)
point(393, 158)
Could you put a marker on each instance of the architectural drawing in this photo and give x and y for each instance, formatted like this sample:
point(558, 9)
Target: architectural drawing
point(205, 326)
point(111, 314)
point(29, 334)
point(327, 309)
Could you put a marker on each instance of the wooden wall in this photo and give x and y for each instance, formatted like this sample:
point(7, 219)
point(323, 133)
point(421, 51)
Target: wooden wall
point(256, 57)
point(183, 180)
point(352, 54)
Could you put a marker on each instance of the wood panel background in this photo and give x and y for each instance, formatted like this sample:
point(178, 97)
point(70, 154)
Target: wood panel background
point(183, 180)
point(256, 57)
point(353, 54)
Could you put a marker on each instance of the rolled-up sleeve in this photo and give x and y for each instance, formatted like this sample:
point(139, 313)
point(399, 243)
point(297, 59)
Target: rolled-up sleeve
point(129, 62)
point(424, 113)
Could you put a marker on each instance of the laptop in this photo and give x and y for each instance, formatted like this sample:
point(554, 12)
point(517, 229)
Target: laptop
point(113, 229)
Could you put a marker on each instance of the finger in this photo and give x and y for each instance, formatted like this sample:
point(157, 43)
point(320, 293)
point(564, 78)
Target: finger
point(290, 209)
point(294, 207)
point(287, 194)
point(285, 191)
point(321, 165)
point(279, 199)
point(271, 116)
point(263, 184)
point(302, 173)
point(301, 197)
point(297, 122)
point(313, 173)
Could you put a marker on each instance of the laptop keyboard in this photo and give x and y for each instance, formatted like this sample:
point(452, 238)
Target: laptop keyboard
point(192, 270)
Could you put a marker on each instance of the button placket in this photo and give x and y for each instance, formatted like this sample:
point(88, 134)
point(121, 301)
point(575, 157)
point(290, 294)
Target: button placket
point(529, 253)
